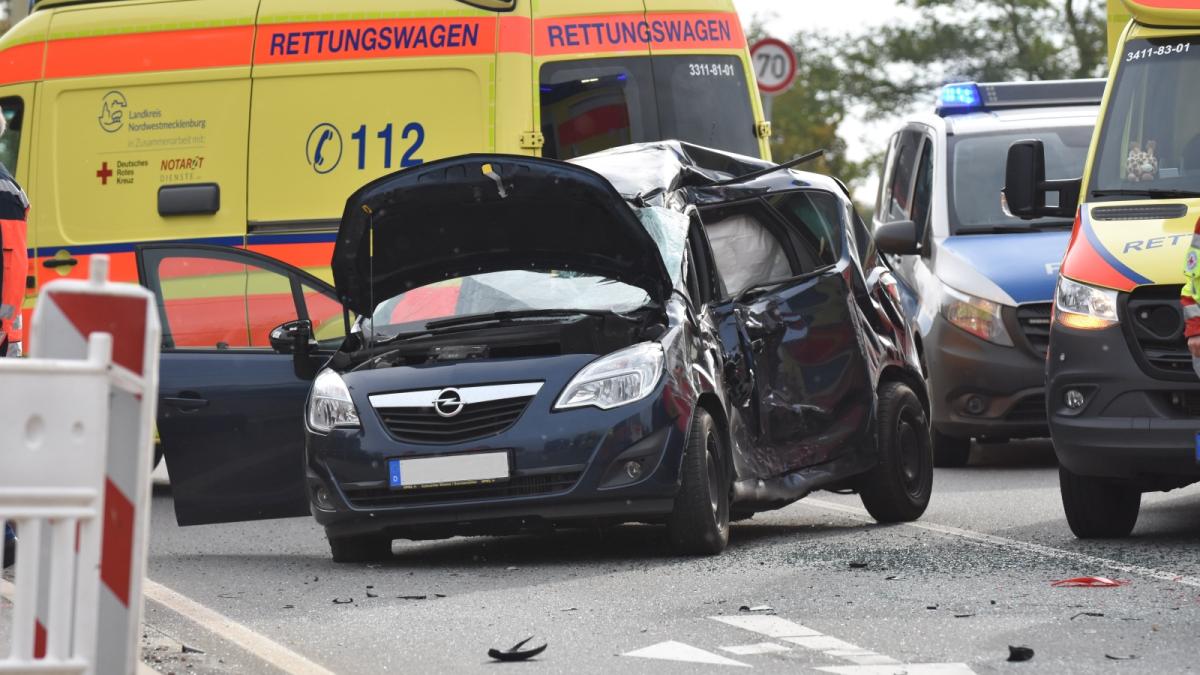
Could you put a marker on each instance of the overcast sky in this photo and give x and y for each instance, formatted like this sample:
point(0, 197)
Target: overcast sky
point(785, 18)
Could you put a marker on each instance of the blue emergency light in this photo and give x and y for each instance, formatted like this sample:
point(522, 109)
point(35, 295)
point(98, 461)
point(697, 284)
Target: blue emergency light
point(959, 97)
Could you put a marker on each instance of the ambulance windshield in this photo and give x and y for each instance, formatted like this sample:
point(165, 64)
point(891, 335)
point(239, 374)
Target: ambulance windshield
point(1150, 141)
point(596, 104)
point(977, 164)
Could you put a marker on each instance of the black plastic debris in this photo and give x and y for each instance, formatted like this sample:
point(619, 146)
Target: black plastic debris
point(1127, 657)
point(412, 597)
point(858, 564)
point(1087, 614)
point(372, 595)
point(963, 616)
point(190, 650)
point(289, 607)
point(893, 577)
point(1019, 653)
point(515, 653)
point(342, 601)
point(756, 608)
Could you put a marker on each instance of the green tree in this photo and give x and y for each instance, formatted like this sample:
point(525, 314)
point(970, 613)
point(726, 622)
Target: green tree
point(893, 66)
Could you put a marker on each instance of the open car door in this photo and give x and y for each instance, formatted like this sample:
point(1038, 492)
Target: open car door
point(781, 260)
point(230, 413)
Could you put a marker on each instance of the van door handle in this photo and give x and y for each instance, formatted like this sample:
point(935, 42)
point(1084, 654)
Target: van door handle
point(59, 262)
point(186, 402)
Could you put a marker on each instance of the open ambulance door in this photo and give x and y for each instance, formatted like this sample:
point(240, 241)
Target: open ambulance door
point(231, 399)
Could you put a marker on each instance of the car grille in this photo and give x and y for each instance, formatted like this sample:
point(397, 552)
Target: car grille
point(1154, 330)
point(477, 420)
point(1034, 320)
point(1028, 409)
point(517, 486)
point(1186, 402)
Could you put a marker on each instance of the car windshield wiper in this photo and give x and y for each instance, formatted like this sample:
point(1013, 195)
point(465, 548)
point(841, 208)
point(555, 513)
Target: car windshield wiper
point(1152, 193)
point(503, 316)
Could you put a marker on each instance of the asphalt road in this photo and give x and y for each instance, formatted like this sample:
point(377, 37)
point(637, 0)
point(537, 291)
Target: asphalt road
point(959, 587)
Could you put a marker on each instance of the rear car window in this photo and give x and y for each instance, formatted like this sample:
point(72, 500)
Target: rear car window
point(10, 143)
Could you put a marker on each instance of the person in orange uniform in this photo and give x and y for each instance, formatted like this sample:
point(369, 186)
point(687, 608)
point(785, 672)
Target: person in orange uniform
point(14, 266)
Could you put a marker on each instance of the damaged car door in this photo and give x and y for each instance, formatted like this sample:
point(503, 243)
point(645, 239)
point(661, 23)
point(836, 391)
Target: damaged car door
point(231, 392)
point(785, 267)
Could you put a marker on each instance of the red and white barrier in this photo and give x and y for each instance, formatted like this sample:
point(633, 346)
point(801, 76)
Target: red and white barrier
point(82, 409)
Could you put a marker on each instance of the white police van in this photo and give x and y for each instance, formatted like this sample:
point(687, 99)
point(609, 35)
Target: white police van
point(977, 281)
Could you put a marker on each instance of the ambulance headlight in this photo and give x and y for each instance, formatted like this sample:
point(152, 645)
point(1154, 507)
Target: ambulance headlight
point(977, 316)
point(1084, 307)
point(329, 404)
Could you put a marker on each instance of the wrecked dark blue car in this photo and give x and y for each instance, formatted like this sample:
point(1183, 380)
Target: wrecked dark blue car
point(658, 333)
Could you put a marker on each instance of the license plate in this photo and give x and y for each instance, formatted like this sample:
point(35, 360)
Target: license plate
point(450, 470)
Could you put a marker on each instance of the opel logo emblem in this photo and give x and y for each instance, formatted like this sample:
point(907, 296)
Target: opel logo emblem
point(448, 403)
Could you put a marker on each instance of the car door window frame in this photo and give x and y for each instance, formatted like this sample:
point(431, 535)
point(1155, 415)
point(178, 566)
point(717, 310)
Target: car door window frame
point(905, 137)
point(297, 279)
point(925, 165)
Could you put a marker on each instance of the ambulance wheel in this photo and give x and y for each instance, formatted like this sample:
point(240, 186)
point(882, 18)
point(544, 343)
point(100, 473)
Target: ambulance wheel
point(699, 524)
point(360, 548)
point(1099, 508)
point(950, 452)
point(898, 488)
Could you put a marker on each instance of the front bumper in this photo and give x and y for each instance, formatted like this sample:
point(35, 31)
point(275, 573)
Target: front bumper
point(1132, 426)
point(1007, 381)
point(566, 467)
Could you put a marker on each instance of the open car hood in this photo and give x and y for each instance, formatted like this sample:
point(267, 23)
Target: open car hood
point(485, 213)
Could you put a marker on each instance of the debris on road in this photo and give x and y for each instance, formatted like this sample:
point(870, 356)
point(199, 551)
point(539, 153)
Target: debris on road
point(1089, 582)
point(515, 653)
point(412, 597)
point(893, 577)
point(184, 649)
point(1128, 657)
point(1087, 614)
point(963, 616)
point(289, 607)
point(1019, 653)
point(342, 601)
point(756, 608)
point(858, 564)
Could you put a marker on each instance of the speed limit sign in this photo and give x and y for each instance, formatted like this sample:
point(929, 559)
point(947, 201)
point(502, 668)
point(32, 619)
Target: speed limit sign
point(774, 65)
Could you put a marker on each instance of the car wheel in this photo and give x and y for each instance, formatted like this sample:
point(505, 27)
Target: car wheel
point(1099, 508)
point(950, 452)
point(360, 548)
point(898, 488)
point(699, 523)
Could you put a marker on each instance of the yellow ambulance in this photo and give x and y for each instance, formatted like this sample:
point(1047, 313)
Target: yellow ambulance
point(1123, 399)
point(248, 122)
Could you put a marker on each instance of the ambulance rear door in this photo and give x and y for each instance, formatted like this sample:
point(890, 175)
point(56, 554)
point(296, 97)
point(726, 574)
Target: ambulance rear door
point(340, 101)
point(145, 115)
point(592, 66)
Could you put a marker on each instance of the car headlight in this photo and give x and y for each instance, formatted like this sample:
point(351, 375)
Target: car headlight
point(977, 316)
point(1084, 307)
point(624, 376)
point(329, 404)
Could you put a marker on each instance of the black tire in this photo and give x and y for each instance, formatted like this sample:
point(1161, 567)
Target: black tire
point(899, 487)
point(950, 452)
point(1099, 508)
point(699, 524)
point(360, 548)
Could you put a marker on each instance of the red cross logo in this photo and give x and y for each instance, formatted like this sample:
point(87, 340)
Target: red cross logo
point(104, 173)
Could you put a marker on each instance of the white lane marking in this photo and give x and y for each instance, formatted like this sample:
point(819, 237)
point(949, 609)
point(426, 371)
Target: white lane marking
point(907, 669)
point(771, 626)
point(222, 626)
point(1004, 542)
point(678, 651)
point(758, 648)
point(824, 643)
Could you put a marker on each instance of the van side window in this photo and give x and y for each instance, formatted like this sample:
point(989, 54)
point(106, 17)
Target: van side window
point(10, 143)
point(923, 190)
point(816, 221)
point(900, 187)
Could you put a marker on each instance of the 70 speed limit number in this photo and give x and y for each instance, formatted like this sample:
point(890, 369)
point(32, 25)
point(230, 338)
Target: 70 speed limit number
point(774, 64)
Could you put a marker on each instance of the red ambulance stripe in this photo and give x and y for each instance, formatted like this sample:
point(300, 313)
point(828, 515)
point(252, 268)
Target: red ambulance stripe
point(123, 318)
point(39, 640)
point(1169, 4)
point(1084, 263)
point(146, 52)
point(516, 35)
point(22, 63)
point(116, 550)
point(383, 38)
point(637, 32)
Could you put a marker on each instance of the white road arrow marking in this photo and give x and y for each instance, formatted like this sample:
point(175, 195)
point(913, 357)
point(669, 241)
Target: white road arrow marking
point(759, 648)
point(678, 651)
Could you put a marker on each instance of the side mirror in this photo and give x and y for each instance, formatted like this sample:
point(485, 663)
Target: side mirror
point(292, 337)
point(1026, 187)
point(898, 238)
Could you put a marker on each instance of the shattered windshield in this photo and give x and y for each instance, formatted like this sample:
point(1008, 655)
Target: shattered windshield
point(534, 290)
